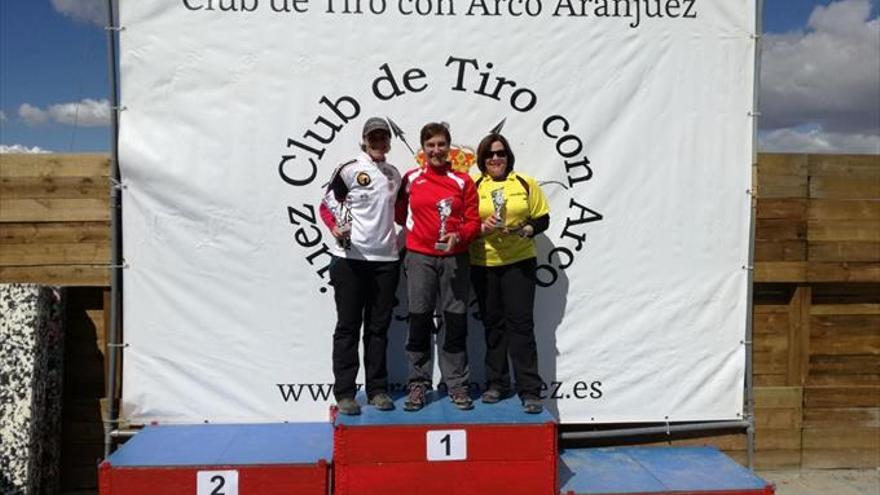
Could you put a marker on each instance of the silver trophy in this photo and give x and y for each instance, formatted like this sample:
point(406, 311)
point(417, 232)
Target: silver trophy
point(444, 209)
point(343, 223)
point(498, 202)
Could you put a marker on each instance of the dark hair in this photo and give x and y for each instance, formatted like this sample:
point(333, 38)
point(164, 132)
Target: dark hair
point(432, 129)
point(484, 154)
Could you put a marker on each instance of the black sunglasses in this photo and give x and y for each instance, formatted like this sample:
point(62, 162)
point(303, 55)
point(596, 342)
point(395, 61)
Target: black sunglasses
point(498, 153)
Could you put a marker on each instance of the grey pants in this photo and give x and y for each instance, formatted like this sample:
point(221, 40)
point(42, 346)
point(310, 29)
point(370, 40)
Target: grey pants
point(427, 278)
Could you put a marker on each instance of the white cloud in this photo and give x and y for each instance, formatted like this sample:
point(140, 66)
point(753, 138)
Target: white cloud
point(19, 148)
point(86, 113)
point(828, 75)
point(32, 115)
point(93, 11)
point(818, 141)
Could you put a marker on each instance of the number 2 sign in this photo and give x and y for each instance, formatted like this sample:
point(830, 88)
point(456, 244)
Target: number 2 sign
point(447, 445)
point(217, 483)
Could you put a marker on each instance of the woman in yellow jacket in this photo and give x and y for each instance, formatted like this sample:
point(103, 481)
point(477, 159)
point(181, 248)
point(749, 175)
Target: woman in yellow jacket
point(513, 209)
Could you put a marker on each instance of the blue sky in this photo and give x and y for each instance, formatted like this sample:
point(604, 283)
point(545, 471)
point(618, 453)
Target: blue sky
point(54, 84)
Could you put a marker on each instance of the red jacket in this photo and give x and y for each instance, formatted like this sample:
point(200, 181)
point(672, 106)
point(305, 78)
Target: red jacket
point(426, 187)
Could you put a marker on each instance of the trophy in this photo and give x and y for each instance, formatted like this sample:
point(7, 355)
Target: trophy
point(444, 209)
point(498, 202)
point(343, 223)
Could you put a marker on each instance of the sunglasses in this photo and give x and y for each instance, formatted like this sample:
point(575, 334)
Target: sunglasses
point(498, 154)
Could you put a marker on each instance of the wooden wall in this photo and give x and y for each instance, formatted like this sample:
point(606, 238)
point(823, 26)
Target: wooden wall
point(817, 308)
point(54, 219)
point(816, 313)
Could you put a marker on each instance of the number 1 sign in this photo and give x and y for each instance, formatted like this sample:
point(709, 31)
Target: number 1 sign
point(447, 445)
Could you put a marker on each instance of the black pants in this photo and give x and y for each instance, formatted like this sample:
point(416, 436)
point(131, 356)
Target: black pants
point(364, 293)
point(506, 295)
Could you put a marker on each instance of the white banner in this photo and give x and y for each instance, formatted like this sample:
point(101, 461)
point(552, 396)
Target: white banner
point(633, 114)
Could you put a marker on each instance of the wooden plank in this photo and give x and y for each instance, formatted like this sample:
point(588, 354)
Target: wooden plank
point(54, 254)
point(861, 166)
point(843, 272)
point(55, 165)
point(844, 365)
point(780, 230)
point(782, 164)
point(54, 233)
point(843, 251)
point(794, 209)
point(844, 188)
point(781, 271)
point(761, 379)
point(827, 209)
point(817, 379)
point(844, 397)
point(778, 397)
point(770, 323)
point(799, 336)
point(54, 187)
point(842, 230)
point(770, 362)
point(780, 251)
point(778, 418)
point(844, 309)
point(781, 186)
point(840, 458)
point(857, 417)
point(54, 210)
point(857, 325)
point(841, 437)
point(94, 276)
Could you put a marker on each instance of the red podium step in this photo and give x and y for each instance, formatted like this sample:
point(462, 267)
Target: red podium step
point(253, 459)
point(493, 449)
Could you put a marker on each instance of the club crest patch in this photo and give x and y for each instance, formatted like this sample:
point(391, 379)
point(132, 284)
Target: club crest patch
point(363, 179)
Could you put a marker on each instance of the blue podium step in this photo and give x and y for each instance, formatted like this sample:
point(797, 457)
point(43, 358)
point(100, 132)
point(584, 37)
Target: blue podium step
point(660, 470)
point(264, 459)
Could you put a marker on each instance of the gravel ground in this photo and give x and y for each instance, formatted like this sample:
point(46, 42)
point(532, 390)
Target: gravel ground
point(824, 481)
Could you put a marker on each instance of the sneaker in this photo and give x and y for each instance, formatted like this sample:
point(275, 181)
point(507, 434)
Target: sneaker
point(416, 398)
point(461, 400)
point(492, 396)
point(532, 406)
point(348, 406)
point(382, 402)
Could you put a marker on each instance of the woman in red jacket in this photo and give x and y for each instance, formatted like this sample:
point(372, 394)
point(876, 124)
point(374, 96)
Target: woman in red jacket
point(442, 219)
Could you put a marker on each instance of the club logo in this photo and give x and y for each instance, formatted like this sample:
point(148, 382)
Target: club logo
point(363, 179)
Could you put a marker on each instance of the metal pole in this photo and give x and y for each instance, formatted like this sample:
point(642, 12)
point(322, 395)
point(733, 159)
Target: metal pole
point(655, 430)
point(115, 235)
point(750, 394)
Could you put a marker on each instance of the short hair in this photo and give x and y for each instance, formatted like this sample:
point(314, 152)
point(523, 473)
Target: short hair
point(484, 153)
point(432, 129)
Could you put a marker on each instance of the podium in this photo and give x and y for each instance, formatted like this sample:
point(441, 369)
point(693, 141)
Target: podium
point(265, 459)
point(658, 470)
point(492, 449)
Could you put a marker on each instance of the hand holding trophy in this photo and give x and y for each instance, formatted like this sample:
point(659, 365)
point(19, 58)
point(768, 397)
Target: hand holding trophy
point(444, 209)
point(499, 202)
point(342, 232)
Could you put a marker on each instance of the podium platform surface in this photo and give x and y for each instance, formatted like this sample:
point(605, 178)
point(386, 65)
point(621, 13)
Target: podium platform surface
point(440, 410)
point(227, 444)
point(642, 470)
